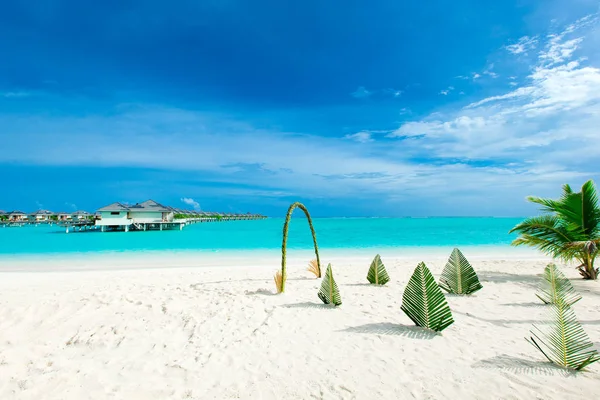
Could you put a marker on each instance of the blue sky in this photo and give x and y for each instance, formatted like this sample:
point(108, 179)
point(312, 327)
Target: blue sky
point(356, 108)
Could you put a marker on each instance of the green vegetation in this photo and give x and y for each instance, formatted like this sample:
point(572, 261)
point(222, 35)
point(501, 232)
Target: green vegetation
point(3, 218)
point(180, 216)
point(555, 287)
point(377, 274)
point(329, 292)
point(424, 302)
point(458, 276)
point(281, 288)
point(565, 342)
point(570, 229)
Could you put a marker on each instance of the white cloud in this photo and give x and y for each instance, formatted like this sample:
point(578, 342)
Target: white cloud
point(361, 93)
point(538, 126)
point(361, 137)
point(16, 94)
point(523, 45)
point(191, 202)
point(476, 76)
point(445, 92)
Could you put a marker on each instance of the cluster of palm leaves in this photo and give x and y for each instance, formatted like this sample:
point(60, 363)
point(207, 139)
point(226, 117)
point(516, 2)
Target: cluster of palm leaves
point(569, 229)
point(563, 342)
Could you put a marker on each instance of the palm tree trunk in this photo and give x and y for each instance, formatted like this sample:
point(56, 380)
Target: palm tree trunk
point(586, 269)
point(285, 236)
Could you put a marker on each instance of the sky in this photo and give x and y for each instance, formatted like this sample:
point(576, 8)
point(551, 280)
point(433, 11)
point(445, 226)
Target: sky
point(355, 108)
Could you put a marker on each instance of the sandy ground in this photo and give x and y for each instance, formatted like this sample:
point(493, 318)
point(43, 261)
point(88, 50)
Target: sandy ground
point(219, 332)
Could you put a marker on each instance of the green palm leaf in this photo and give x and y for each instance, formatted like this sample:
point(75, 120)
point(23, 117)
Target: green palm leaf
point(564, 343)
point(458, 276)
point(329, 292)
point(377, 274)
point(569, 230)
point(556, 287)
point(424, 302)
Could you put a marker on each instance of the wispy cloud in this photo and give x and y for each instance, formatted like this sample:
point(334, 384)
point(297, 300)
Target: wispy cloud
point(446, 91)
point(523, 45)
point(533, 129)
point(361, 137)
point(361, 93)
point(393, 92)
point(191, 202)
point(15, 94)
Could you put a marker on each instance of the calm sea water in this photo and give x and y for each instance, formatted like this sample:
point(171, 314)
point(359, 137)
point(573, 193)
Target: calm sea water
point(333, 233)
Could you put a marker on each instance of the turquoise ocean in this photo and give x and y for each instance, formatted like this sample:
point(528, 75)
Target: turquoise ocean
point(332, 233)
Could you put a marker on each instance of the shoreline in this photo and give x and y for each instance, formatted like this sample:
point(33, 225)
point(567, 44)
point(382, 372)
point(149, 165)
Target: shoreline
point(111, 260)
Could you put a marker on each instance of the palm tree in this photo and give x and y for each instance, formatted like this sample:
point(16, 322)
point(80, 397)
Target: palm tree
point(570, 229)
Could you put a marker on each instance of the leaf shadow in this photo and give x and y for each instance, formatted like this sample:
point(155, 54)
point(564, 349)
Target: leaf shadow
point(518, 365)
point(364, 284)
point(264, 292)
point(310, 305)
point(387, 328)
point(504, 277)
point(534, 304)
point(503, 322)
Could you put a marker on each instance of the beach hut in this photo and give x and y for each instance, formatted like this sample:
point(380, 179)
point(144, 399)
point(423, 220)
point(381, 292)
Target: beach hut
point(40, 216)
point(16, 215)
point(63, 216)
point(150, 212)
point(80, 215)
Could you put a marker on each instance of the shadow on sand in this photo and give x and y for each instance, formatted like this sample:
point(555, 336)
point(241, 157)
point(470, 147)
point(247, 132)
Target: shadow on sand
point(387, 328)
point(309, 305)
point(263, 292)
point(503, 277)
point(523, 366)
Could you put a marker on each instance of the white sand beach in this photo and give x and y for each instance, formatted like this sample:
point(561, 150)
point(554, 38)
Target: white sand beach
point(185, 330)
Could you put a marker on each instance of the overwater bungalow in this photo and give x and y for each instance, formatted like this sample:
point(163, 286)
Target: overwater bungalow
point(40, 216)
point(63, 216)
point(17, 216)
point(80, 215)
point(140, 216)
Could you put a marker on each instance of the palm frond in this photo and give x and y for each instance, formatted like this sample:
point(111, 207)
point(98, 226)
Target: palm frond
point(377, 274)
point(424, 302)
point(555, 287)
point(458, 276)
point(564, 342)
point(278, 278)
point(545, 232)
point(313, 266)
point(329, 292)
